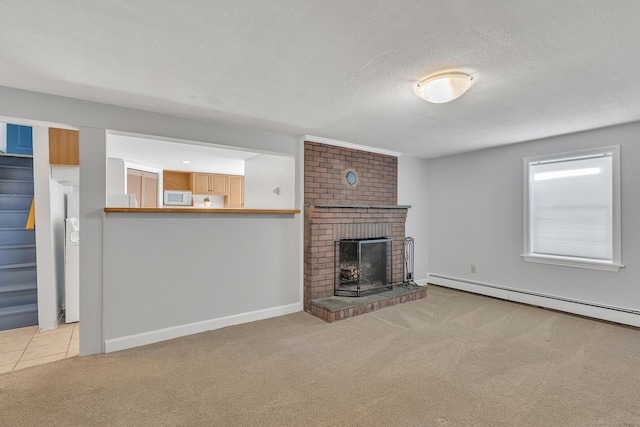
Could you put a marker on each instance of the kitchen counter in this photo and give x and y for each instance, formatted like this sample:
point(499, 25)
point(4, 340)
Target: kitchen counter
point(205, 210)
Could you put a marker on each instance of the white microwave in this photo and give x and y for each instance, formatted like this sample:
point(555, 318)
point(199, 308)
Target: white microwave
point(177, 198)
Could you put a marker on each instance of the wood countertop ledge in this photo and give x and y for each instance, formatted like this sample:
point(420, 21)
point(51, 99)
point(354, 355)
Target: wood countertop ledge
point(204, 210)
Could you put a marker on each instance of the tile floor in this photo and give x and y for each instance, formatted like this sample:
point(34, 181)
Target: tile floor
point(23, 347)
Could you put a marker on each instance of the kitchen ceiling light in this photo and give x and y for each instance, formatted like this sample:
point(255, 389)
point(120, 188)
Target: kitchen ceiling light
point(444, 87)
point(186, 162)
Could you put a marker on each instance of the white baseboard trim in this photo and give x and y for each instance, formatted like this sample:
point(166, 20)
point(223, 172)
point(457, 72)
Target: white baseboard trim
point(612, 314)
point(136, 340)
point(422, 282)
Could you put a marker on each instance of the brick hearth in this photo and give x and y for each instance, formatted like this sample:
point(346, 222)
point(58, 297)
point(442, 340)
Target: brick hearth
point(338, 308)
point(326, 224)
point(336, 210)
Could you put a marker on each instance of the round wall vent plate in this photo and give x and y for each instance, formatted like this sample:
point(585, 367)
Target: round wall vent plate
point(351, 177)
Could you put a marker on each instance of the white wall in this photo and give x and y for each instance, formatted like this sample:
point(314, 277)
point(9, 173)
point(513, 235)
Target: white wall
point(412, 190)
point(58, 215)
point(97, 280)
point(3, 137)
point(93, 196)
point(174, 274)
point(262, 174)
point(66, 175)
point(116, 176)
point(72, 200)
point(50, 275)
point(476, 218)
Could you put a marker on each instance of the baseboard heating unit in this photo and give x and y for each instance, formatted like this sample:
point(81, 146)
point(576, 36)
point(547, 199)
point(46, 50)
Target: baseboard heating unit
point(583, 308)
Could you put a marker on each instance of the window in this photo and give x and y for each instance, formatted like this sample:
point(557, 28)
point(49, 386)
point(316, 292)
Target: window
point(572, 209)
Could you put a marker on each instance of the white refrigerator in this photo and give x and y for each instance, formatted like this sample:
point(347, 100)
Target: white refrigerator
point(72, 270)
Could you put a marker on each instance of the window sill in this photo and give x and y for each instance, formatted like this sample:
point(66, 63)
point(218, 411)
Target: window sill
point(573, 262)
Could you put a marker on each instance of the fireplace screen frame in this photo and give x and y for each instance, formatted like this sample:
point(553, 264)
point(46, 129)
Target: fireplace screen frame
point(361, 278)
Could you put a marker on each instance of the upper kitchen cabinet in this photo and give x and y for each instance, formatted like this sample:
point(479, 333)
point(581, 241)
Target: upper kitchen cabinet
point(64, 147)
point(201, 183)
point(177, 180)
point(235, 198)
point(210, 183)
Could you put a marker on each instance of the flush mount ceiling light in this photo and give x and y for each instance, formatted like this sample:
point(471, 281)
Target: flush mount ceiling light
point(444, 87)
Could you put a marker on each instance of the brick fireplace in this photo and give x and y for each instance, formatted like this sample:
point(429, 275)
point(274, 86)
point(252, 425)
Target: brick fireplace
point(349, 194)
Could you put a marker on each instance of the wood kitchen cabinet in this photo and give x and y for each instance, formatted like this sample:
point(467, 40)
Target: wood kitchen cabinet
point(176, 180)
point(145, 187)
point(201, 183)
point(64, 147)
point(210, 183)
point(235, 196)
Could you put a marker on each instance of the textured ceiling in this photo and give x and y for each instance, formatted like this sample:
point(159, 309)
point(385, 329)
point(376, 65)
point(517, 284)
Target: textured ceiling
point(342, 70)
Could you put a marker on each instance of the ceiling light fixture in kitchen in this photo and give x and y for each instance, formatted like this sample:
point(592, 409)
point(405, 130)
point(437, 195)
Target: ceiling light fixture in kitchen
point(186, 162)
point(444, 87)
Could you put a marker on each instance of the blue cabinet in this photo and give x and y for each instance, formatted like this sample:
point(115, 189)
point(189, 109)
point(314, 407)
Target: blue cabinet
point(19, 140)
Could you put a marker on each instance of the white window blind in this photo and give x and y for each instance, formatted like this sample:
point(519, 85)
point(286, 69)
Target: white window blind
point(572, 208)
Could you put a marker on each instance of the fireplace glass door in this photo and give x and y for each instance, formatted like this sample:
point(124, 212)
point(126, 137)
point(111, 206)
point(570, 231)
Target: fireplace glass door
point(363, 266)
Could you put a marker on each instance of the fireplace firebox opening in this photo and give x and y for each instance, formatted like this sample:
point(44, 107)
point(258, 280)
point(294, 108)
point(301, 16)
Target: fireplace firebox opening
point(363, 266)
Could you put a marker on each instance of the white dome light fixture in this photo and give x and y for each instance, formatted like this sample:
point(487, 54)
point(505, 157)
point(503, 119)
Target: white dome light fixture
point(444, 87)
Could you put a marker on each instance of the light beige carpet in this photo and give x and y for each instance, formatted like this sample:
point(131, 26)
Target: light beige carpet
point(452, 359)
